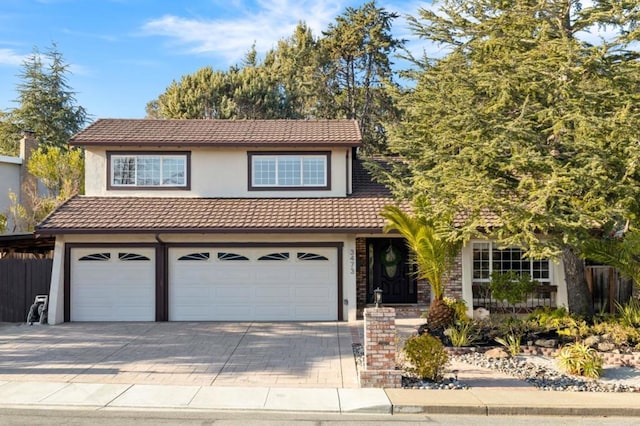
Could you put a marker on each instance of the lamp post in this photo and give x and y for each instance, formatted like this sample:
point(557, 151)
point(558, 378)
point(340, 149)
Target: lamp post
point(377, 296)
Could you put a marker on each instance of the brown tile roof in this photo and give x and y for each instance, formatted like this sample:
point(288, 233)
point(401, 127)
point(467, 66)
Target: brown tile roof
point(150, 132)
point(86, 214)
point(363, 184)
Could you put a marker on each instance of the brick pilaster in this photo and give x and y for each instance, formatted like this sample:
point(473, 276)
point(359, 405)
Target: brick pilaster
point(380, 349)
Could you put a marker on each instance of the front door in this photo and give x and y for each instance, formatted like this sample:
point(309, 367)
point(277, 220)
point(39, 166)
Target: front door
point(389, 268)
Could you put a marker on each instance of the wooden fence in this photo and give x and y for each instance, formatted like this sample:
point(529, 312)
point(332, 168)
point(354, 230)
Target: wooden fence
point(21, 280)
point(607, 288)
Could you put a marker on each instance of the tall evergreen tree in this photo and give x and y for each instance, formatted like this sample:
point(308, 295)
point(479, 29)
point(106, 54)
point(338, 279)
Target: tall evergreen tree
point(46, 103)
point(358, 70)
point(525, 120)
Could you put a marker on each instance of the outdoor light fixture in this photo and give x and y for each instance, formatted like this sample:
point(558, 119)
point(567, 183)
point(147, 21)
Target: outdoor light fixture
point(377, 296)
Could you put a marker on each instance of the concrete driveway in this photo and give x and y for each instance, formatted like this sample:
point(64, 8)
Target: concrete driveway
point(205, 354)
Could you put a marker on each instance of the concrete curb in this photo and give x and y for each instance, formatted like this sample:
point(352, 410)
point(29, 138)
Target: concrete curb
point(496, 401)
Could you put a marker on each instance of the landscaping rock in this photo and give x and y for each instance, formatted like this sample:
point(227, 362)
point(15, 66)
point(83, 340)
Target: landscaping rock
point(480, 314)
point(606, 346)
point(497, 353)
point(592, 341)
point(547, 343)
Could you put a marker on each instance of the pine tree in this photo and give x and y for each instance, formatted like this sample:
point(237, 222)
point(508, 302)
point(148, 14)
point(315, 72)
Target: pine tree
point(47, 105)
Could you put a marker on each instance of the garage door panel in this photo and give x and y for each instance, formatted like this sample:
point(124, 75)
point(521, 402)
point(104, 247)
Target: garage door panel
point(112, 284)
point(266, 313)
point(312, 293)
point(255, 289)
point(265, 291)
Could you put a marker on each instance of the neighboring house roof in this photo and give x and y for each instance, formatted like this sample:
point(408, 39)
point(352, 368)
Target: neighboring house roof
point(151, 132)
point(26, 242)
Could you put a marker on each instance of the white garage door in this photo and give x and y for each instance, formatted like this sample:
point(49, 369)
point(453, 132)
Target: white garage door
point(262, 284)
point(112, 284)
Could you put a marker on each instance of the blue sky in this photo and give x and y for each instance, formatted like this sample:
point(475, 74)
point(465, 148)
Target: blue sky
point(124, 53)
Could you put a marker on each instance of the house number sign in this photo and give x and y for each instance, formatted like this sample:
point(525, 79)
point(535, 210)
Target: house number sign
point(352, 261)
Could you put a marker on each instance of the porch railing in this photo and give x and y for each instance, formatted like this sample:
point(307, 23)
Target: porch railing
point(543, 296)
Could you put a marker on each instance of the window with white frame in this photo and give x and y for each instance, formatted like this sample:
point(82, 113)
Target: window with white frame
point(148, 170)
point(300, 170)
point(487, 258)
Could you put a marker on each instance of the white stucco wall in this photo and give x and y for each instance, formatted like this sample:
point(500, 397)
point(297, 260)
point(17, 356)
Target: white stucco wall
point(56, 290)
point(56, 301)
point(9, 182)
point(215, 172)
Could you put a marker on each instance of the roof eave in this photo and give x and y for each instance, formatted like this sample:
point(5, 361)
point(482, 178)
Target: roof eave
point(217, 144)
point(268, 230)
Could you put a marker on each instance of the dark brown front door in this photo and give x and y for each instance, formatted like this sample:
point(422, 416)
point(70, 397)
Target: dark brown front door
point(389, 268)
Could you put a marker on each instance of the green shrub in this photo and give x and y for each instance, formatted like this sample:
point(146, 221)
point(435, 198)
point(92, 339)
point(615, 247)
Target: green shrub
point(619, 334)
point(511, 342)
point(462, 333)
point(561, 321)
point(630, 312)
point(578, 358)
point(511, 286)
point(427, 356)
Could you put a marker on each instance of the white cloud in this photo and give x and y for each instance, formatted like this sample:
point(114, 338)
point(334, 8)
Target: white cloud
point(10, 57)
point(264, 24)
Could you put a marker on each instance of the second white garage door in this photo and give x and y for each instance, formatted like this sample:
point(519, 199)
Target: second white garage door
point(245, 284)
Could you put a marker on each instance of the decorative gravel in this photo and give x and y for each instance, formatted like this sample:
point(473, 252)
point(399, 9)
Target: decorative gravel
point(538, 371)
point(544, 376)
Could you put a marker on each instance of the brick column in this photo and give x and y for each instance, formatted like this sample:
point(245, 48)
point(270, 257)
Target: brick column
point(380, 349)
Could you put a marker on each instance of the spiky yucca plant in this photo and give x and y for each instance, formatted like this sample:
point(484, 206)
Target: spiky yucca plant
point(433, 256)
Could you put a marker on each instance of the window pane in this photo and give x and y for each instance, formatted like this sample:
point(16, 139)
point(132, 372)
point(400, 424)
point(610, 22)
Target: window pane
point(124, 171)
point(148, 171)
point(540, 270)
point(314, 171)
point(264, 171)
point(481, 270)
point(173, 171)
point(289, 171)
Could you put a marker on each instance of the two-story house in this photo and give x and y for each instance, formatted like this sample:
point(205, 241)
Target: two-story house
point(218, 220)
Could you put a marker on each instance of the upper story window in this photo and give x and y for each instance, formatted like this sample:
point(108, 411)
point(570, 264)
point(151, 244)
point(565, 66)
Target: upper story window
point(162, 170)
point(283, 171)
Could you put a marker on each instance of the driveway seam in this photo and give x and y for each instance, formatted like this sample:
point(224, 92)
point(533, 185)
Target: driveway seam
point(231, 354)
point(340, 355)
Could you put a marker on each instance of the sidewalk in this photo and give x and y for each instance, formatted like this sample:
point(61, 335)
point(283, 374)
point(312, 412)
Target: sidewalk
point(476, 401)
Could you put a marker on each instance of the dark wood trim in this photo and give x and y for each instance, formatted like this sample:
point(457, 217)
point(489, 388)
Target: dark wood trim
point(162, 289)
point(251, 154)
point(67, 269)
point(187, 186)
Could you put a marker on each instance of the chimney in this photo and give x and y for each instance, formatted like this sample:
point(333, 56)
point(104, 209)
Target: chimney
point(28, 182)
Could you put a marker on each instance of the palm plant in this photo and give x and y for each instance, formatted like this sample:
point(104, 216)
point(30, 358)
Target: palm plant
point(432, 254)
